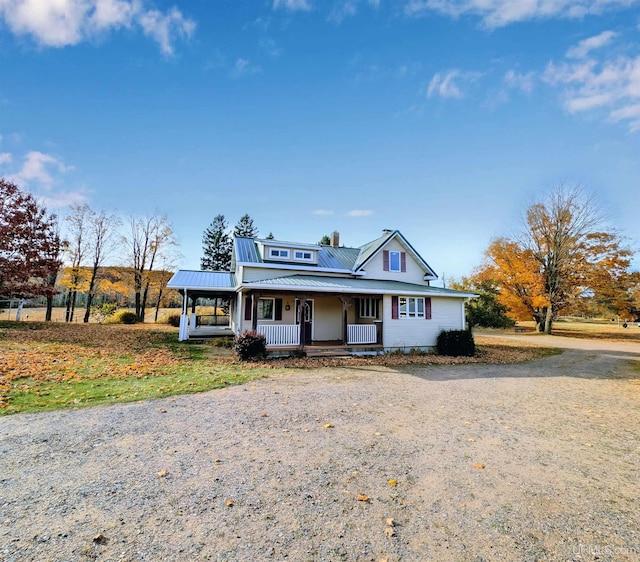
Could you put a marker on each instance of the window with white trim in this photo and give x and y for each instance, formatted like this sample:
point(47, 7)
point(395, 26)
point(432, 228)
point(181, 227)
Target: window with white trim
point(278, 253)
point(395, 263)
point(301, 255)
point(368, 307)
point(411, 307)
point(265, 309)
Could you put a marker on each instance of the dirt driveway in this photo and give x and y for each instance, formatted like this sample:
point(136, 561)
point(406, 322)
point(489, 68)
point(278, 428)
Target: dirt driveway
point(537, 461)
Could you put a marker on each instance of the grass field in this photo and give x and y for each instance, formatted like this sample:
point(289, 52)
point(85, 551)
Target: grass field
point(53, 365)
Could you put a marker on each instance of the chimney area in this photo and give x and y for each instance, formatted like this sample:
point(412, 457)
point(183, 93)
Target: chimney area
point(335, 239)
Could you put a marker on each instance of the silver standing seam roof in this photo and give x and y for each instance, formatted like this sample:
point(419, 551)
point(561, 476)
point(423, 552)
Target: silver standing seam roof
point(194, 280)
point(336, 258)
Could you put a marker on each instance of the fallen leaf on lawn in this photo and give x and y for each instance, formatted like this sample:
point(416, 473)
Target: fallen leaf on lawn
point(217, 460)
point(100, 539)
point(162, 473)
point(162, 411)
point(229, 503)
point(264, 415)
point(471, 440)
point(390, 521)
point(393, 483)
point(390, 532)
point(362, 498)
point(478, 465)
point(328, 425)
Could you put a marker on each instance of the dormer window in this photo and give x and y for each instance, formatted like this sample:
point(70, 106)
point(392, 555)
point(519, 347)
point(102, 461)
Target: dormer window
point(305, 256)
point(279, 253)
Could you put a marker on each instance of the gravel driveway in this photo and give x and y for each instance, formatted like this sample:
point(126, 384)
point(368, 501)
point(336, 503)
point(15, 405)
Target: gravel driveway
point(537, 461)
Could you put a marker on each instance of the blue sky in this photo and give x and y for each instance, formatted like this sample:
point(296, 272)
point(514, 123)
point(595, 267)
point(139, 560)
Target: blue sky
point(443, 119)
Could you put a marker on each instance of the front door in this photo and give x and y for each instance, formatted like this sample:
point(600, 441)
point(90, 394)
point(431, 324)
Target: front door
point(307, 319)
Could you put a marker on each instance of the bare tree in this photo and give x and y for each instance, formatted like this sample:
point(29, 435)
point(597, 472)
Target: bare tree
point(101, 232)
point(76, 247)
point(150, 237)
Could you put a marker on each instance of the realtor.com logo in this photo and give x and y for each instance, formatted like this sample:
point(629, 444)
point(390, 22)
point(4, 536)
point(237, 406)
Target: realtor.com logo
point(605, 550)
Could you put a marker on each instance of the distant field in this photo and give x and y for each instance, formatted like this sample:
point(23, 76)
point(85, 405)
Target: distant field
point(578, 328)
point(37, 314)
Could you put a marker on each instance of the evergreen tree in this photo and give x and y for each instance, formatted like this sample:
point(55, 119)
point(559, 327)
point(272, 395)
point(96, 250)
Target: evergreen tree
point(217, 246)
point(245, 227)
point(325, 241)
point(270, 236)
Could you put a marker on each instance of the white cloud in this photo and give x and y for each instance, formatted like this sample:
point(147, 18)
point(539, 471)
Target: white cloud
point(59, 23)
point(243, 67)
point(360, 213)
point(343, 10)
point(63, 199)
point(611, 86)
point(39, 168)
point(447, 85)
point(499, 13)
point(517, 81)
point(584, 47)
point(322, 212)
point(39, 173)
point(5, 157)
point(293, 5)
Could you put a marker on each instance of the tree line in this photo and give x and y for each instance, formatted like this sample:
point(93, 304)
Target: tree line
point(563, 259)
point(32, 251)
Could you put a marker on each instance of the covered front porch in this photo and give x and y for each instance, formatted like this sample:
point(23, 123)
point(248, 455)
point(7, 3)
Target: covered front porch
point(292, 320)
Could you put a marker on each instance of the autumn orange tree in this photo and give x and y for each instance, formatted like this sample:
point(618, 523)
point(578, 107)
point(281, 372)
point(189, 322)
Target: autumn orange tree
point(561, 255)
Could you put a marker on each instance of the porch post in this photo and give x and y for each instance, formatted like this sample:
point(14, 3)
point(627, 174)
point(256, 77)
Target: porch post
point(254, 311)
point(345, 318)
point(302, 301)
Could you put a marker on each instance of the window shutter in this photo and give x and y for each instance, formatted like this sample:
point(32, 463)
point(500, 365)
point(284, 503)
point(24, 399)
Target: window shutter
point(394, 308)
point(403, 262)
point(427, 308)
point(278, 311)
point(385, 260)
point(247, 308)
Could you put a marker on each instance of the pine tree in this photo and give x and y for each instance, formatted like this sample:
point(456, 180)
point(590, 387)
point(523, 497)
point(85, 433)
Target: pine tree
point(217, 246)
point(270, 236)
point(325, 241)
point(245, 227)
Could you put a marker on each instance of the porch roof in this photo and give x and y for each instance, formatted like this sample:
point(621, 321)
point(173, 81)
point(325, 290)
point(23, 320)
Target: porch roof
point(203, 280)
point(317, 283)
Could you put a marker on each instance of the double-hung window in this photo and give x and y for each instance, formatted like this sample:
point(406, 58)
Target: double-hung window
point(394, 261)
point(368, 307)
point(265, 309)
point(410, 307)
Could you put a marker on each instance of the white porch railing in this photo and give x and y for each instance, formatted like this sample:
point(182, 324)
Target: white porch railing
point(362, 333)
point(280, 334)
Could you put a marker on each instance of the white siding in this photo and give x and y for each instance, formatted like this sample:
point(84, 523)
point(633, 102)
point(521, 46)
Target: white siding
point(446, 314)
point(259, 273)
point(414, 274)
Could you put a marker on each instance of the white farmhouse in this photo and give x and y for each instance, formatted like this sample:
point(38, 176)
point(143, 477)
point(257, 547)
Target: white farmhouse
point(307, 297)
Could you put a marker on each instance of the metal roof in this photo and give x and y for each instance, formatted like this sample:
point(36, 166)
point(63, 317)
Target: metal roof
point(246, 250)
point(347, 284)
point(215, 280)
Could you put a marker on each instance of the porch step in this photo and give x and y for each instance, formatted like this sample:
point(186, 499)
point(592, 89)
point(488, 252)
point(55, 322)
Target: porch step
point(338, 352)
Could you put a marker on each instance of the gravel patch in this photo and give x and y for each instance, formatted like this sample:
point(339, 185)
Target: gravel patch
point(537, 461)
